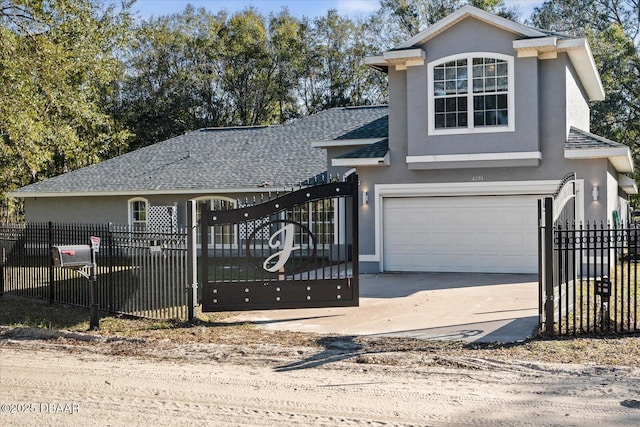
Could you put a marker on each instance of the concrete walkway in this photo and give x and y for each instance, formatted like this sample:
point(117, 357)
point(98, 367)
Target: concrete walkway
point(456, 306)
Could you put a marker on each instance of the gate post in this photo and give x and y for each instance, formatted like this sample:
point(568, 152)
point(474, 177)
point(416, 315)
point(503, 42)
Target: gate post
point(355, 234)
point(192, 264)
point(548, 267)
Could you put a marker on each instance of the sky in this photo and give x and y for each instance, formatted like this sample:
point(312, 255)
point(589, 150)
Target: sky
point(298, 8)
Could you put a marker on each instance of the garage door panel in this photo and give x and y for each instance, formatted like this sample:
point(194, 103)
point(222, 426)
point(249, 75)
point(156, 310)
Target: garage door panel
point(475, 234)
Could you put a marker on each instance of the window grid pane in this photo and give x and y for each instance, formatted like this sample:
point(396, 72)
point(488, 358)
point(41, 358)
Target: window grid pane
point(139, 214)
point(489, 85)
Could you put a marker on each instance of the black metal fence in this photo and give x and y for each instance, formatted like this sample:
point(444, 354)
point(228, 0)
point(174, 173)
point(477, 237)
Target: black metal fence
point(596, 270)
point(588, 272)
point(139, 272)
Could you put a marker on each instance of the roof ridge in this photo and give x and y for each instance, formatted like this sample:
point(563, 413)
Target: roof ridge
point(224, 128)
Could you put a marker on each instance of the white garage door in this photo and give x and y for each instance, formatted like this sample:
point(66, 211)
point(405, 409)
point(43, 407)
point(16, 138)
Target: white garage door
point(492, 234)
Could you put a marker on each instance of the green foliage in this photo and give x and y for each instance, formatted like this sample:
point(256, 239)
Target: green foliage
point(58, 67)
point(612, 28)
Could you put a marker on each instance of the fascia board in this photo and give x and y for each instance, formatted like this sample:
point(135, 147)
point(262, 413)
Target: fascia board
point(462, 13)
point(627, 184)
point(374, 161)
point(377, 60)
point(620, 158)
point(403, 55)
point(536, 43)
point(345, 142)
point(580, 55)
point(134, 193)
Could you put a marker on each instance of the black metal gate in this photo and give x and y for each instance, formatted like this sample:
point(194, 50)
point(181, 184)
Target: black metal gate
point(299, 250)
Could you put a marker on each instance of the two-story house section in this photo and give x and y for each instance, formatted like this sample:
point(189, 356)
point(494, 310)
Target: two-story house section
point(485, 116)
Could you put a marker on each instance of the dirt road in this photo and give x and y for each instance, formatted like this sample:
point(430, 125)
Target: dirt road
point(44, 383)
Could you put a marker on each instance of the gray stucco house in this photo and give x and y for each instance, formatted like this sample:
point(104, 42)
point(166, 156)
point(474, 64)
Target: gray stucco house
point(485, 117)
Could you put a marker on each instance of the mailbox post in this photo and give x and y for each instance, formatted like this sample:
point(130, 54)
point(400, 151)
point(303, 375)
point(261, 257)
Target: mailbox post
point(603, 289)
point(78, 257)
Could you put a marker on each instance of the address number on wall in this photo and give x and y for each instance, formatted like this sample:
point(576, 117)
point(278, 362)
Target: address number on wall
point(477, 178)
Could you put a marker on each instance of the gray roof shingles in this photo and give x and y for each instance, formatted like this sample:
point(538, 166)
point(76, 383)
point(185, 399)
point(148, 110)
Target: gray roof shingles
point(579, 139)
point(222, 158)
point(372, 151)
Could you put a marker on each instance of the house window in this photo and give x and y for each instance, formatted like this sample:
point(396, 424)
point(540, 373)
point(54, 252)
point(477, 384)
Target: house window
point(319, 217)
point(138, 209)
point(471, 93)
point(219, 235)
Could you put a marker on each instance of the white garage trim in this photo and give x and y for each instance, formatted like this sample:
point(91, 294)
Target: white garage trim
point(489, 188)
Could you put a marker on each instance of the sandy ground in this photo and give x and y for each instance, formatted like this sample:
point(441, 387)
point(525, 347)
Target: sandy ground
point(53, 383)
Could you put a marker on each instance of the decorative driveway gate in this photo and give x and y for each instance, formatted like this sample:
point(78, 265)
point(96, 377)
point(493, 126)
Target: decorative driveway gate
point(299, 250)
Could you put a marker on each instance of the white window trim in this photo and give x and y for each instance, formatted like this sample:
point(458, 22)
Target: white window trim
point(130, 211)
point(470, 129)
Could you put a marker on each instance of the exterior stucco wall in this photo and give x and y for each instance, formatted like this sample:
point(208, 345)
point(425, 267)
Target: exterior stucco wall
point(577, 108)
point(86, 210)
point(471, 36)
point(82, 210)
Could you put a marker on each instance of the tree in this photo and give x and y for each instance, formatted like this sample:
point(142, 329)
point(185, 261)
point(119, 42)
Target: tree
point(58, 70)
point(334, 72)
point(168, 88)
point(196, 69)
point(399, 20)
point(612, 28)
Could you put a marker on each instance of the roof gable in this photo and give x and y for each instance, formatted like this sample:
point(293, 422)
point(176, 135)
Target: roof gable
point(530, 42)
point(464, 13)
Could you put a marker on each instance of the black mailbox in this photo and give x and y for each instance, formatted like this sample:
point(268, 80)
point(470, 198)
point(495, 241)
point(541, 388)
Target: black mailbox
point(603, 287)
point(73, 256)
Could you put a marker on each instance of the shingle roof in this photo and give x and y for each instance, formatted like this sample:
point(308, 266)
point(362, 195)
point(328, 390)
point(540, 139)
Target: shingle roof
point(371, 151)
point(579, 139)
point(376, 129)
point(221, 158)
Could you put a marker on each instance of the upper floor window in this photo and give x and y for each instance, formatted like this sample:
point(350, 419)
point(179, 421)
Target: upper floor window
point(471, 93)
point(138, 210)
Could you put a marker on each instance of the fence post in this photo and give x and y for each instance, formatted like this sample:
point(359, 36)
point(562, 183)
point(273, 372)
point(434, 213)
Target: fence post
point(110, 284)
point(51, 270)
point(192, 264)
point(548, 266)
point(2, 263)
point(94, 319)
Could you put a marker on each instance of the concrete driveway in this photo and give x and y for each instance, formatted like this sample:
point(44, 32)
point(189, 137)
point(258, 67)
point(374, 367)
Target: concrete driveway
point(456, 306)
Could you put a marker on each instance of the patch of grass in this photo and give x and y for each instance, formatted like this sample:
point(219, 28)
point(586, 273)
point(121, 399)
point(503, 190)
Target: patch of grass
point(34, 313)
point(212, 328)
